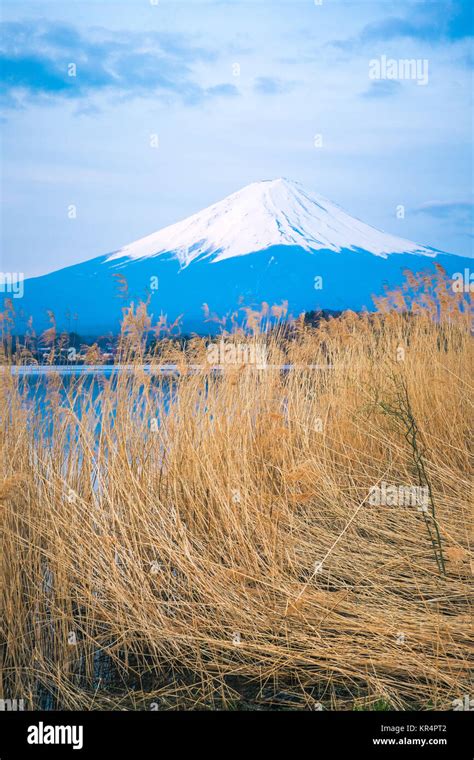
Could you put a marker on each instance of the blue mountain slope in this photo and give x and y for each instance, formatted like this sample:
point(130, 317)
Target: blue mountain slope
point(280, 273)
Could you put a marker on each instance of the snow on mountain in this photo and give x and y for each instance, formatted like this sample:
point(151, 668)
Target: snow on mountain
point(262, 215)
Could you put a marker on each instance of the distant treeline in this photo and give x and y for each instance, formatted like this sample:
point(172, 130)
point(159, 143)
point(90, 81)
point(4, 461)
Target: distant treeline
point(73, 348)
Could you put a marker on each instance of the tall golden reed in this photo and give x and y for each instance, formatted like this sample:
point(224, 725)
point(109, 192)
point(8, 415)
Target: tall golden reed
point(209, 540)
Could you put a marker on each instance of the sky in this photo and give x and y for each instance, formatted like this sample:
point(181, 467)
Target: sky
point(121, 117)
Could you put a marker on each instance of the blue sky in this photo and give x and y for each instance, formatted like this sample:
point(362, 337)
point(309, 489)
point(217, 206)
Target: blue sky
point(235, 92)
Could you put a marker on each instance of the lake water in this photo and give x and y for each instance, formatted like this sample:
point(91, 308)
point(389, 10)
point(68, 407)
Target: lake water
point(80, 386)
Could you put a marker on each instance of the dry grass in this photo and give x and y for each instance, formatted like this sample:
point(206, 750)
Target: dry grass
point(229, 557)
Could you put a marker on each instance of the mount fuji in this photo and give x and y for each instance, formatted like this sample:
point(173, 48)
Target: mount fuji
point(271, 241)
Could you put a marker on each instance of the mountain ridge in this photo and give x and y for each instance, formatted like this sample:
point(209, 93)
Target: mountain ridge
point(308, 252)
point(264, 214)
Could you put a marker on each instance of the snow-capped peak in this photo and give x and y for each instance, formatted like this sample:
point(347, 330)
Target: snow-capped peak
point(265, 214)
